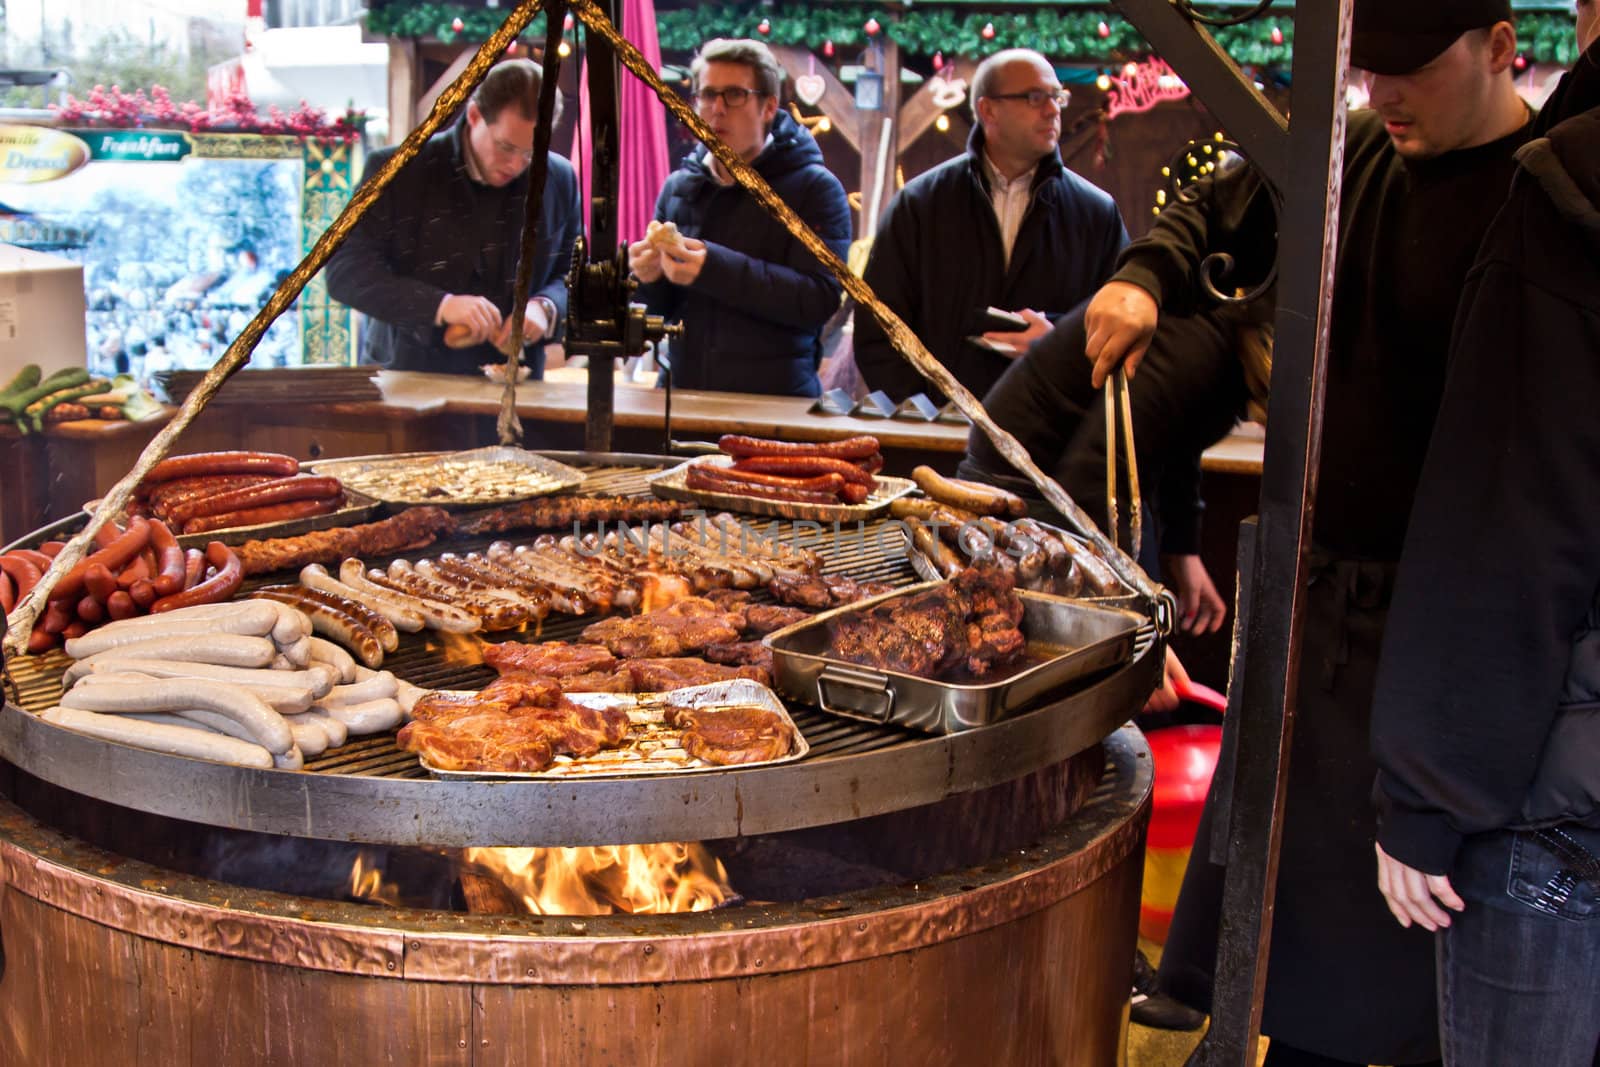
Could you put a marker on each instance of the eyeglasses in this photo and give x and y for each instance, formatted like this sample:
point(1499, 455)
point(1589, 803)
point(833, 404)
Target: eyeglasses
point(511, 151)
point(731, 98)
point(1036, 98)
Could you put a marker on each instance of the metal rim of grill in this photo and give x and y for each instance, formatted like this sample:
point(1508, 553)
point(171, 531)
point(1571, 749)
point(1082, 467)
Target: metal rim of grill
point(368, 790)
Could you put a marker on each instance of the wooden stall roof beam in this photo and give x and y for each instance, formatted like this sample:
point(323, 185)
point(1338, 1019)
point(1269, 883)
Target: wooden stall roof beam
point(425, 103)
point(919, 113)
point(1303, 162)
point(404, 73)
point(837, 102)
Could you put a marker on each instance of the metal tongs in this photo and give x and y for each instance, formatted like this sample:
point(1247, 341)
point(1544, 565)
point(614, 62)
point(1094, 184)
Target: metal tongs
point(1119, 412)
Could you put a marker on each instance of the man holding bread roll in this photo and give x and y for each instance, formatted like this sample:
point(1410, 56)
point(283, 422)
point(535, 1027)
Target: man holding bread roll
point(752, 300)
point(433, 264)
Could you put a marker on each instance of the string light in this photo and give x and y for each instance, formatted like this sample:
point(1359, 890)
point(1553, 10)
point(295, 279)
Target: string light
point(942, 123)
point(1103, 83)
point(563, 49)
point(824, 124)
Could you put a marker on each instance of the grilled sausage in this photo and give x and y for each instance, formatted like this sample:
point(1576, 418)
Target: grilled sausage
point(381, 627)
point(315, 576)
point(849, 448)
point(169, 559)
point(822, 483)
point(281, 491)
point(943, 558)
point(805, 467)
point(969, 496)
point(115, 557)
point(328, 620)
point(223, 463)
point(398, 607)
point(705, 480)
point(295, 509)
point(8, 594)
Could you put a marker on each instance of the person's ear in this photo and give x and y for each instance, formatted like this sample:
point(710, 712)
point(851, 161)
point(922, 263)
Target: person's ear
point(474, 114)
point(769, 110)
point(1502, 47)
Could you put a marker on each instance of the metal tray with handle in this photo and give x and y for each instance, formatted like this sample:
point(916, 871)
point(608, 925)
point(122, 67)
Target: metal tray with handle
point(1067, 641)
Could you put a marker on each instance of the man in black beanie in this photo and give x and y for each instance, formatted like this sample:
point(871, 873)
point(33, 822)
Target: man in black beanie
point(1423, 170)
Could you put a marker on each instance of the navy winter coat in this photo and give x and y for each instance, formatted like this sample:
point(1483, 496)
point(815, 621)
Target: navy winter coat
point(434, 232)
point(753, 318)
point(938, 260)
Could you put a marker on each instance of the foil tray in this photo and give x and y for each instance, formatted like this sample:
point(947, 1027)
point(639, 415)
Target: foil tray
point(673, 485)
point(652, 747)
point(393, 480)
point(1071, 640)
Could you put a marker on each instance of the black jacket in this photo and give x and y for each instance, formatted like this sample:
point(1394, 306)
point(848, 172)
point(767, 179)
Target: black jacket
point(1487, 714)
point(752, 320)
point(435, 231)
point(938, 260)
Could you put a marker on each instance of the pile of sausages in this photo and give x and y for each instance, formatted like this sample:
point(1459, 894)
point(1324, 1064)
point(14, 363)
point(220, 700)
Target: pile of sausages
point(959, 521)
point(210, 491)
point(243, 683)
point(134, 570)
point(833, 472)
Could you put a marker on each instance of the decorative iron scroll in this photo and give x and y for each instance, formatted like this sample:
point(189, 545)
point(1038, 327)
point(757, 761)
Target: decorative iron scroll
point(1187, 8)
point(1216, 267)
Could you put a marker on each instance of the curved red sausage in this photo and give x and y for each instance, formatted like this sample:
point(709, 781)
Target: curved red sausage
point(822, 483)
point(121, 605)
point(100, 582)
point(806, 467)
point(169, 559)
point(113, 557)
point(220, 586)
point(138, 570)
point(294, 509)
point(23, 573)
point(52, 548)
point(281, 491)
point(42, 640)
point(8, 594)
point(35, 557)
point(194, 567)
point(223, 463)
point(56, 616)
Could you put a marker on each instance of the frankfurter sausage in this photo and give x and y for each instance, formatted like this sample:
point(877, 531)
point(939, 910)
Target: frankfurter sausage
point(24, 574)
point(402, 618)
point(295, 509)
point(328, 620)
point(187, 740)
point(925, 541)
point(75, 628)
point(100, 582)
point(52, 548)
point(805, 467)
point(854, 494)
point(56, 616)
point(278, 491)
point(1098, 577)
point(705, 481)
point(849, 448)
point(161, 495)
point(382, 628)
point(42, 640)
point(220, 586)
point(90, 610)
point(970, 496)
point(223, 463)
point(241, 705)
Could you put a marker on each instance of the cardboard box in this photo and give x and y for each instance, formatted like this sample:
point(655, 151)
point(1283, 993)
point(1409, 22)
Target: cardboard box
point(41, 312)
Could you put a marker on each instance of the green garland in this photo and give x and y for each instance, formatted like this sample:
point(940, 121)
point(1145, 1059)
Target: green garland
point(1069, 36)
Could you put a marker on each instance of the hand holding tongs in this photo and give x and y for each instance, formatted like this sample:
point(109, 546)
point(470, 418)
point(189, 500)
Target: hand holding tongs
point(1119, 411)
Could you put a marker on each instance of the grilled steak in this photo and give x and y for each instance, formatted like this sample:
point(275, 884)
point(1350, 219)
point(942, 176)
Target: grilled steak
point(482, 742)
point(763, 619)
point(732, 735)
point(552, 659)
point(821, 591)
point(660, 675)
point(746, 653)
point(687, 626)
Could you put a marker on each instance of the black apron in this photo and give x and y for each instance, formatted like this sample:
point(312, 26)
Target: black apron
point(1344, 979)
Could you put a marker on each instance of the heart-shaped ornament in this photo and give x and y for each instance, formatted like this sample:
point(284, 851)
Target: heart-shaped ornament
point(809, 89)
point(948, 92)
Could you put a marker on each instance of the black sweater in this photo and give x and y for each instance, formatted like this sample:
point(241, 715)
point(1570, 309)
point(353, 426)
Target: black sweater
point(1407, 236)
point(435, 231)
point(938, 259)
point(1484, 714)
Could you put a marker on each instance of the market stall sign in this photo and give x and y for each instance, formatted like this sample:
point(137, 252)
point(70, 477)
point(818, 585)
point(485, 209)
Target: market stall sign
point(38, 154)
point(139, 146)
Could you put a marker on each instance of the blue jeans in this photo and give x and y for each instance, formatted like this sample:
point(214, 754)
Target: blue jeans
point(1519, 969)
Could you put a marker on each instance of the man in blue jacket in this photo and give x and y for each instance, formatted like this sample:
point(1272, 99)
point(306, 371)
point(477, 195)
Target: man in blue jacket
point(1006, 226)
point(752, 300)
point(433, 264)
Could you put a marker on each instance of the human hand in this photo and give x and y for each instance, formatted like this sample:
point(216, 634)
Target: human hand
point(1166, 698)
point(1414, 897)
point(1019, 341)
point(1119, 323)
point(475, 319)
point(681, 265)
point(644, 261)
point(1200, 606)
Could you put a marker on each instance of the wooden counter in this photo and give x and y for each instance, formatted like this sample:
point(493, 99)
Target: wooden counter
point(47, 476)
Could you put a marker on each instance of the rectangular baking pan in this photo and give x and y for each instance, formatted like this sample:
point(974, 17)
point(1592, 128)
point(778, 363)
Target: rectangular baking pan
point(392, 479)
point(1076, 639)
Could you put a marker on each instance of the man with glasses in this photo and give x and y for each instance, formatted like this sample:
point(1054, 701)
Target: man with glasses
point(752, 300)
point(433, 264)
point(1004, 226)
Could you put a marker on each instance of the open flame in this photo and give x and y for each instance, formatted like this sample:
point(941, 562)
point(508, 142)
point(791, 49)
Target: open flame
point(457, 650)
point(636, 879)
point(659, 590)
point(366, 881)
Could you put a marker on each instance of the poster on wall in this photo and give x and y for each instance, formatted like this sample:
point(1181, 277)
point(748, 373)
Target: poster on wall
point(182, 237)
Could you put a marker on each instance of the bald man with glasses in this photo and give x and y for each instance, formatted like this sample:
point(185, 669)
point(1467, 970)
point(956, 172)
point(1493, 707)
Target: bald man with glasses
point(1003, 226)
point(433, 264)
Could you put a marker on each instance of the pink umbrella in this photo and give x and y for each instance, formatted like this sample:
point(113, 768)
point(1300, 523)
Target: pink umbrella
point(644, 163)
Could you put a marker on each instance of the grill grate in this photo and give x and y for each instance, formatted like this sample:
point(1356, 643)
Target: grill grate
point(871, 551)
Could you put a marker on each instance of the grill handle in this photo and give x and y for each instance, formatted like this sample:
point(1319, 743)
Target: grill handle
point(855, 694)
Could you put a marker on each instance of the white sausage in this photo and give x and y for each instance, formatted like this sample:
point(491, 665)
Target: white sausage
point(291, 760)
point(223, 650)
point(309, 736)
point(298, 653)
point(316, 677)
point(381, 684)
point(338, 733)
point(292, 622)
point(243, 619)
point(370, 718)
point(161, 737)
point(407, 695)
point(283, 699)
point(325, 651)
point(238, 703)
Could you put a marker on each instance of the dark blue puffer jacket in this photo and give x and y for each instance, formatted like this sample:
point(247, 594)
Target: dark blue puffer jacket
point(753, 318)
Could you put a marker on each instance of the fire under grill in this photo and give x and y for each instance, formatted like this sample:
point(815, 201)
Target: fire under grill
point(370, 791)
